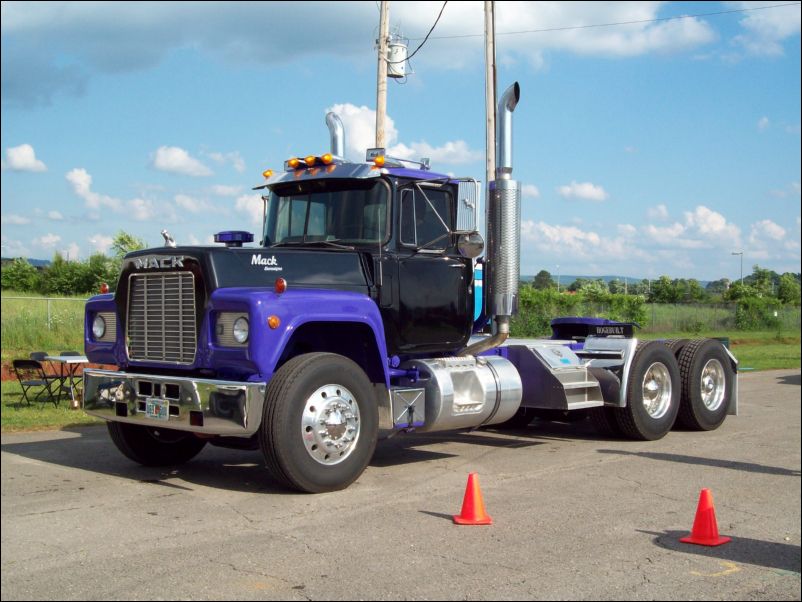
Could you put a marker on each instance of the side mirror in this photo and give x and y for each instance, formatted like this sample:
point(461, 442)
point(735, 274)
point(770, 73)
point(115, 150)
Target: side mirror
point(471, 245)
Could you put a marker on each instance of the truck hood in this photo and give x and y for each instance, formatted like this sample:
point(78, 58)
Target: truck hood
point(223, 267)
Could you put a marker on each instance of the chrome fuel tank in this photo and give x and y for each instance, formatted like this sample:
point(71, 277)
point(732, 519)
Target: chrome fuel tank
point(465, 392)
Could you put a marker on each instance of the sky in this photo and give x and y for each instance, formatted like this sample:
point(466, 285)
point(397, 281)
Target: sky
point(646, 144)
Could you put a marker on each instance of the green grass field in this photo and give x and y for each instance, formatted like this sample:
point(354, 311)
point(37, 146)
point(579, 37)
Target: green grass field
point(18, 416)
point(25, 325)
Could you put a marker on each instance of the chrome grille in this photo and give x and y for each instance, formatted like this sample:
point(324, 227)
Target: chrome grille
point(161, 317)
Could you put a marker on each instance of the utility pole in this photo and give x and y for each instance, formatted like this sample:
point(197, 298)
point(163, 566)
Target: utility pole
point(490, 92)
point(381, 73)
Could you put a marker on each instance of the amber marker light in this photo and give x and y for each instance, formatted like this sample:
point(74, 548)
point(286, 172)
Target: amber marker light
point(294, 162)
point(104, 288)
point(281, 285)
point(379, 161)
point(310, 160)
point(273, 322)
point(267, 173)
point(327, 159)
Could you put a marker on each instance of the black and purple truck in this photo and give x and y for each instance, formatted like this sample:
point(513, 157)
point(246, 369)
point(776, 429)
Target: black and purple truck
point(356, 318)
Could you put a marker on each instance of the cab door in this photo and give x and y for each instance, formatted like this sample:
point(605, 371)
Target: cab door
point(435, 292)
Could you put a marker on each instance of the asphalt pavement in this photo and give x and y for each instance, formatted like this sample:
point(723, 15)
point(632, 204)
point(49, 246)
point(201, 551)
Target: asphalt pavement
point(575, 516)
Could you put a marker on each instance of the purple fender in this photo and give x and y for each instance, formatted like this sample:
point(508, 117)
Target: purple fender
point(295, 308)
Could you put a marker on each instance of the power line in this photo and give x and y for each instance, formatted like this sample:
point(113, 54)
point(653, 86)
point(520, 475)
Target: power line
point(424, 39)
point(640, 21)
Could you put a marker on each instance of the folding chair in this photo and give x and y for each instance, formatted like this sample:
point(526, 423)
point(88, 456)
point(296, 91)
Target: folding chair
point(40, 356)
point(31, 375)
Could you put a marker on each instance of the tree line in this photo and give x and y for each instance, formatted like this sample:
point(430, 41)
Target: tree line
point(65, 277)
point(760, 284)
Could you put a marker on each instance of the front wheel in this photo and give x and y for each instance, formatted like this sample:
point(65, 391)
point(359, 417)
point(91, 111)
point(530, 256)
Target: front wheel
point(154, 446)
point(320, 424)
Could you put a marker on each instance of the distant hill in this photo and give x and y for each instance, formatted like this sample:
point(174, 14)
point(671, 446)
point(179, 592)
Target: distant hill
point(37, 263)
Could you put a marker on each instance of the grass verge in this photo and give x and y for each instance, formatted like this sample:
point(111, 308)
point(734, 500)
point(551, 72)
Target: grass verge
point(17, 415)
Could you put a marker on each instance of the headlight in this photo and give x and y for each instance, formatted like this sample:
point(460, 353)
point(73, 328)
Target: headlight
point(98, 327)
point(241, 330)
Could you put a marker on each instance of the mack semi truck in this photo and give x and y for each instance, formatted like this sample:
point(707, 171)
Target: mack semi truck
point(353, 318)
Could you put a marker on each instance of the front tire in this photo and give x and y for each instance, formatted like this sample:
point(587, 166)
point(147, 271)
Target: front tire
point(320, 424)
point(154, 446)
point(653, 393)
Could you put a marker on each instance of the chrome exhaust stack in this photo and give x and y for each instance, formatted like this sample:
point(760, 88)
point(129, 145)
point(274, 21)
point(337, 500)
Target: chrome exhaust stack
point(337, 134)
point(502, 268)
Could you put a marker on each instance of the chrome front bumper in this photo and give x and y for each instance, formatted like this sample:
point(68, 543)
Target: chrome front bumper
point(213, 407)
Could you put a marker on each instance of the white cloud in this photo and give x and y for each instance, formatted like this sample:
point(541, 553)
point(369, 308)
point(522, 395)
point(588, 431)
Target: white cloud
point(142, 210)
point(72, 252)
point(712, 227)
point(224, 190)
point(451, 153)
point(233, 158)
point(173, 159)
point(530, 191)
point(55, 216)
point(766, 229)
point(189, 203)
point(14, 248)
point(765, 30)
point(101, 242)
point(22, 158)
point(763, 123)
point(660, 212)
point(580, 244)
point(584, 190)
point(48, 241)
point(16, 220)
point(252, 206)
point(627, 230)
point(360, 127)
point(82, 186)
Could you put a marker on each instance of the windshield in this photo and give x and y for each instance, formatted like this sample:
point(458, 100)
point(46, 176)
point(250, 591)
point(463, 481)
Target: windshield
point(352, 211)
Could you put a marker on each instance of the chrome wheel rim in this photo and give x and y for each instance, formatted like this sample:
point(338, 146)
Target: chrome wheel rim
point(656, 390)
point(330, 424)
point(713, 384)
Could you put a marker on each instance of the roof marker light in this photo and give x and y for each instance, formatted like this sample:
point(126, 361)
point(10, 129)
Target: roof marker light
point(267, 173)
point(310, 160)
point(379, 161)
point(294, 162)
point(327, 159)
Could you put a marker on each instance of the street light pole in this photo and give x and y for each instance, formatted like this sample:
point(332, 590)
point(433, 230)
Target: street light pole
point(741, 253)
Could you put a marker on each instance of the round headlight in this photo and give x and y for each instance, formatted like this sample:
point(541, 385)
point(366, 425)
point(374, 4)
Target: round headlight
point(241, 330)
point(98, 327)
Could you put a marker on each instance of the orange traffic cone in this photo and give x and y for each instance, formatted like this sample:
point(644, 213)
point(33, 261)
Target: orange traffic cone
point(473, 507)
point(705, 528)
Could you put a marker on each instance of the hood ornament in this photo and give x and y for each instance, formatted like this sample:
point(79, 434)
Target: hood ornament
point(169, 241)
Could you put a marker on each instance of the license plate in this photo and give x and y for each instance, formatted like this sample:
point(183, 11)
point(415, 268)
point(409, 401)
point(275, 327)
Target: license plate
point(157, 408)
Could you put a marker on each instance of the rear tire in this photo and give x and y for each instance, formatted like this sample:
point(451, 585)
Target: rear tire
point(154, 446)
point(707, 385)
point(320, 423)
point(653, 393)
